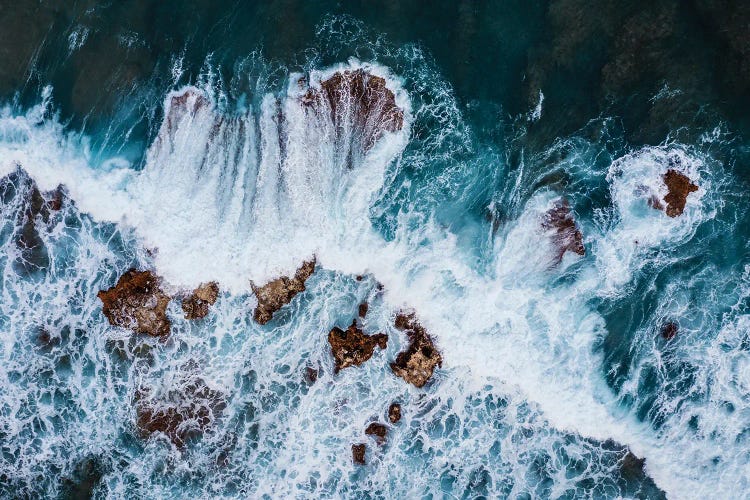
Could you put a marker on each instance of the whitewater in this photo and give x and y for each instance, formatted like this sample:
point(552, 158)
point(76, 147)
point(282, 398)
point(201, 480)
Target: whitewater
point(523, 406)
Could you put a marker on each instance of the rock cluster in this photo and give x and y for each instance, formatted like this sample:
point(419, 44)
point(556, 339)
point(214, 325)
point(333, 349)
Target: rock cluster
point(565, 233)
point(417, 363)
point(138, 303)
point(181, 414)
point(277, 293)
point(197, 304)
point(352, 347)
point(679, 186)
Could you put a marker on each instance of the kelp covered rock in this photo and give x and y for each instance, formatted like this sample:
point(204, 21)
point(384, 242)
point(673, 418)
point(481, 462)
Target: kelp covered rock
point(418, 362)
point(277, 293)
point(138, 303)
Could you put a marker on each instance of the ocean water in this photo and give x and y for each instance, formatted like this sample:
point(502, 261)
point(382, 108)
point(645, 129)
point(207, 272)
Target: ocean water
point(176, 139)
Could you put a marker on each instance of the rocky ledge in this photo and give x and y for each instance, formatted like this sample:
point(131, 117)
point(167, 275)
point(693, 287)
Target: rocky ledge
point(679, 186)
point(277, 293)
point(417, 363)
point(352, 347)
point(565, 233)
point(197, 304)
point(138, 303)
point(180, 415)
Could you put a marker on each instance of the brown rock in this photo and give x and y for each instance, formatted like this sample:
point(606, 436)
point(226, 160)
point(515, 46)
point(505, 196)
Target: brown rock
point(378, 430)
point(669, 330)
point(277, 293)
point(136, 302)
point(566, 236)
point(353, 347)
point(363, 307)
point(680, 187)
point(417, 363)
point(359, 98)
point(394, 413)
point(196, 305)
point(179, 415)
point(358, 453)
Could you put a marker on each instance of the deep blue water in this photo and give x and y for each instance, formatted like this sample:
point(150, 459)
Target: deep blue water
point(558, 380)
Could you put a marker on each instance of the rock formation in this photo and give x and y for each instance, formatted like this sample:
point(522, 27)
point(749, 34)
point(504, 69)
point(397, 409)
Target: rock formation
point(417, 363)
point(565, 233)
point(136, 302)
point(680, 187)
point(277, 293)
point(394, 413)
point(358, 453)
point(196, 305)
point(353, 347)
point(380, 431)
point(180, 414)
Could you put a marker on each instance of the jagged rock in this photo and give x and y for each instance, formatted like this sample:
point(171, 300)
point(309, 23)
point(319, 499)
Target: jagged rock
point(358, 453)
point(136, 302)
point(394, 413)
point(680, 187)
point(359, 98)
point(196, 305)
point(669, 330)
point(380, 431)
point(353, 347)
point(277, 293)
point(179, 415)
point(417, 363)
point(566, 235)
point(363, 307)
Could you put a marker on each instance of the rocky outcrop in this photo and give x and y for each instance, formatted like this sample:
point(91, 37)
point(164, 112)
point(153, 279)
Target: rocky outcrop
point(394, 413)
point(358, 453)
point(362, 310)
point(379, 431)
point(136, 302)
point(197, 304)
point(181, 415)
point(418, 362)
point(352, 347)
point(679, 186)
point(359, 99)
point(565, 234)
point(274, 295)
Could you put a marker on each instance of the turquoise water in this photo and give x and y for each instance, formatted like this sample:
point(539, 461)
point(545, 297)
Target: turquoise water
point(557, 381)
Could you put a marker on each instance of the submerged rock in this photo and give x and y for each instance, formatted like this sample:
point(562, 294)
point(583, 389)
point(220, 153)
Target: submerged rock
point(680, 187)
point(196, 305)
point(277, 293)
point(311, 375)
point(380, 431)
point(359, 98)
point(566, 235)
point(394, 413)
point(179, 415)
point(136, 302)
point(669, 330)
point(353, 347)
point(358, 453)
point(417, 363)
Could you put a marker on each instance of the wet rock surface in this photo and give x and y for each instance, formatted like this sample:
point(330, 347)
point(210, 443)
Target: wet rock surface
point(680, 187)
point(181, 415)
point(352, 347)
point(418, 362)
point(394, 413)
point(565, 233)
point(379, 431)
point(358, 453)
point(136, 302)
point(277, 293)
point(196, 306)
point(360, 98)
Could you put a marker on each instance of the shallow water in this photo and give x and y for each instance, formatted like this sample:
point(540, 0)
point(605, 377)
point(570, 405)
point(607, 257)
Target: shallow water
point(183, 145)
